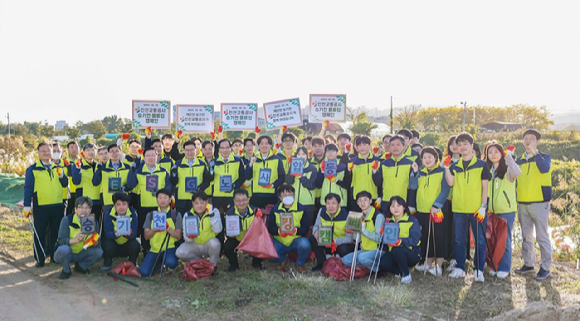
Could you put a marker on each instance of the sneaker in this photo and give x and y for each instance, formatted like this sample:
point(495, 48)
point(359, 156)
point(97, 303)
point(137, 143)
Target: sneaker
point(478, 276)
point(542, 274)
point(63, 275)
point(492, 272)
point(106, 269)
point(502, 274)
point(422, 267)
point(406, 279)
point(232, 269)
point(457, 273)
point(80, 270)
point(525, 269)
point(436, 270)
point(39, 264)
point(452, 265)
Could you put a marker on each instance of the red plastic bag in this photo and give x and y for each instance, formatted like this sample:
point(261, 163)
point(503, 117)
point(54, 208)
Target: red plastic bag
point(334, 268)
point(496, 234)
point(126, 268)
point(257, 242)
point(197, 269)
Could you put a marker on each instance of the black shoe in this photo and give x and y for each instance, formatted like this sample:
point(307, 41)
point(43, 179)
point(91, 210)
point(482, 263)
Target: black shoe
point(215, 271)
point(231, 269)
point(39, 264)
point(258, 267)
point(317, 268)
point(63, 275)
point(542, 274)
point(80, 270)
point(525, 269)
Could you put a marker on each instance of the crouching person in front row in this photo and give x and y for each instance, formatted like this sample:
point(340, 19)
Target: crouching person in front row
point(73, 245)
point(406, 251)
point(162, 228)
point(286, 239)
point(120, 232)
point(202, 224)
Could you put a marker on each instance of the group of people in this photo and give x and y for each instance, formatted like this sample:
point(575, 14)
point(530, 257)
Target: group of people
point(303, 190)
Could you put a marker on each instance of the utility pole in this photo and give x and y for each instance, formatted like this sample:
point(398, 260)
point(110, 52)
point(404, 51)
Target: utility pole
point(8, 117)
point(391, 116)
point(464, 103)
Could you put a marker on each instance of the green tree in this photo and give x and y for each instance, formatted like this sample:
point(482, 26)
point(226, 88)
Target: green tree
point(96, 128)
point(407, 116)
point(361, 125)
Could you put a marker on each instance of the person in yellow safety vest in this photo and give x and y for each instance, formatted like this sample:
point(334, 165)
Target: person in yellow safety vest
point(107, 176)
point(409, 152)
point(266, 172)
point(75, 247)
point(139, 179)
point(344, 148)
point(229, 174)
point(163, 156)
point(386, 141)
point(392, 176)
point(502, 197)
point(534, 191)
point(370, 237)
point(289, 241)
point(331, 215)
point(453, 152)
point(102, 154)
point(289, 141)
point(189, 175)
point(360, 172)
point(115, 245)
point(210, 224)
point(72, 156)
point(59, 160)
point(246, 213)
point(162, 241)
point(43, 184)
point(469, 178)
point(249, 147)
point(82, 172)
point(208, 158)
point(198, 141)
point(406, 252)
point(329, 183)
point(304, 184)
point(134, 158)
point(316, 156)
point(432, 190)
point(307, 143)
point(238, 147)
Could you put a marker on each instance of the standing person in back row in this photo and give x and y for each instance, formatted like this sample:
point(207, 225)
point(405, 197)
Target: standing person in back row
point(534, 191)
point(469, 178)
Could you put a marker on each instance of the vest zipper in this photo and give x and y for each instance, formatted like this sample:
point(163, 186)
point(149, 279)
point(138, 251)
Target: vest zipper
point(507, 199)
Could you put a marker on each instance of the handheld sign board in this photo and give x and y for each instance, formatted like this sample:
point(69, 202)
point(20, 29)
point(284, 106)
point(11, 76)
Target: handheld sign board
point(390, 233)
point(232, 225)
point(297, 167)
point(264, 178)
point(151, 183)
point(190, 184)
point(286, 223)
point(330, 166)
point(159, 221)
point(191, 225)
point(226, 183)
point(123, 224)
point(354, 222)
point(88, 224)
point(324, 235)
point(114, 184)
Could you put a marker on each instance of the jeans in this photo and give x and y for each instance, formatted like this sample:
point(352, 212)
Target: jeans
point(147, 268)
point(300, 246)
point(84, 258)
point(505, 265)
point(460, 223)
point(364, 258)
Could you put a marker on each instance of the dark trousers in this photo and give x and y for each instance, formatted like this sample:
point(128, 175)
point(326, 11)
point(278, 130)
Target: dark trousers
point(262, 200)
point(321, 251)
point(142, 214)
point(183, 206)
point(438, 246)
point(398, 260)
point(222, 203)
point(311, 213)
point(70, 204)
point(111, 250)
point(229, 250)
point(46, 222)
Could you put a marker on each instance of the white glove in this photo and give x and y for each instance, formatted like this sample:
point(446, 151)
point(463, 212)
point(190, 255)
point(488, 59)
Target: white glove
point(480, 214)
point(120, 142)
point(216, 212)
point(412, 210)
point(26, 209)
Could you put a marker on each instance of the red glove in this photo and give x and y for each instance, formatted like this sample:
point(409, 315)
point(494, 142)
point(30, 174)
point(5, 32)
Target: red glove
point(140, 151)
point(259, 213)
point(148, 130)
point(350, 166)
point(281, 234)
point(241, 151)
point(65, 161)
point(178, 134)
point(166, 226)
point(395, 244)
point(375, 165)
point(375, 149)
point(294, 232)
point(388, 155)
point(377, 205)
point(126, 136)
point(258, 130)
point(268, 186)
point(284, 128)
point(331, 177)
point(82, 155)
point(192, 236)
point(212, 135)
point(277, 146)
point(325, 123)
point(332, 247)
point(322, 166)
point(27, 214)
point(510, 148)
point(447, 161)
point(310, 154)
point(220, 129)
point(130, 232)
point(348, 146)
point(78, 163)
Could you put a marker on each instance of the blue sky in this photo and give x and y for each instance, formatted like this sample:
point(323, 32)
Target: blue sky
point(83, 60)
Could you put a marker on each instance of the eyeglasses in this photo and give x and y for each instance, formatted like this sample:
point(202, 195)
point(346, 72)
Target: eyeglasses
point(244, 200)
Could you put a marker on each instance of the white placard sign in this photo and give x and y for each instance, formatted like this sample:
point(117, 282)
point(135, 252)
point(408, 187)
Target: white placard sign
point(242, 116)
point(327, 107)
point(151, 113)
point(194, 118)
point(283, 113)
